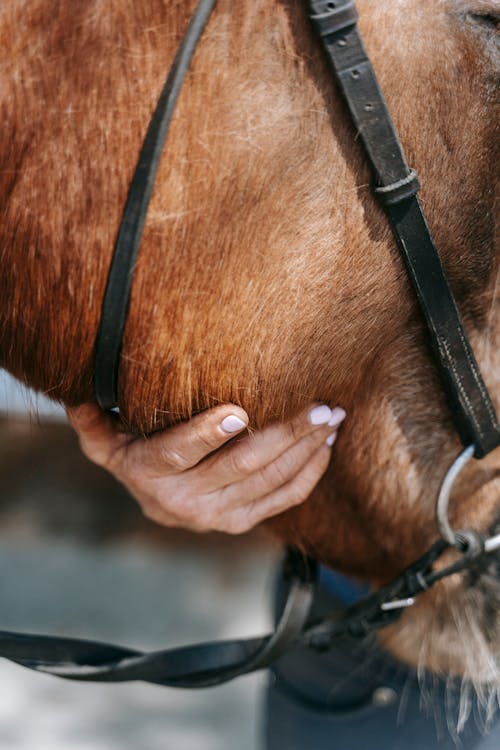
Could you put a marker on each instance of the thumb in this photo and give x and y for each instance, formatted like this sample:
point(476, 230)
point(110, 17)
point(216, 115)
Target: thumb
point(100, 433)
point(181, 447)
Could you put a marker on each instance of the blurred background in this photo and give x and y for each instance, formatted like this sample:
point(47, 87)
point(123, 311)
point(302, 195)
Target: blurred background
point(78, 558)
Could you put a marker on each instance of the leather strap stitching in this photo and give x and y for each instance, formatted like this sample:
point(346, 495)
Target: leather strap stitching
point(471, 407)
point(463, 392)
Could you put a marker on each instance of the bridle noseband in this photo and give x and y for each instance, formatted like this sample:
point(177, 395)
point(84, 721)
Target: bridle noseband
point(396, 187)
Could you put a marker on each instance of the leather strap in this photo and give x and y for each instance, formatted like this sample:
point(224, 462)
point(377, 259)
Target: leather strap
point(335, 18)
point(396, 186)
point(201, 665)
point(207, 664)
point(117, 295)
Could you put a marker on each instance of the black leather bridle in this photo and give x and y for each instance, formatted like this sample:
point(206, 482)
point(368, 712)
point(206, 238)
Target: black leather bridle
point(396, 186)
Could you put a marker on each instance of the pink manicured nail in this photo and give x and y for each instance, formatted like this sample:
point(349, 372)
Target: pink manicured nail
point(338, 416)
point(232, 423)
point(331, 439)
point(320, 415)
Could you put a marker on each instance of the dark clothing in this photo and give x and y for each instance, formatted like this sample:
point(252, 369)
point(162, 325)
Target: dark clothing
point(357, 697)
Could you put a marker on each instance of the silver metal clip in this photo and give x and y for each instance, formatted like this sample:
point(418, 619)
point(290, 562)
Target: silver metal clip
point(397, 604)
point(492, 544)
point(444, 497)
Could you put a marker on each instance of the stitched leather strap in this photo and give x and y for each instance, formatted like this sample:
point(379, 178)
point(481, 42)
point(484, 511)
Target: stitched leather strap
point(396, 186)
point(117, 295)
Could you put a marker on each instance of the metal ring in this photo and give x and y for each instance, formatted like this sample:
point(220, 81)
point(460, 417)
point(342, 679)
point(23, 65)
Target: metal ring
point(452, 537)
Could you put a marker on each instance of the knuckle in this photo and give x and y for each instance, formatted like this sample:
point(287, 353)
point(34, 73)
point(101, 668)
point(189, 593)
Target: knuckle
point(192, 513)
point(201, 527)
point(174, 513)
point(295, 430)
point(132, 470)
point(198, 520)
point(206, 441)
point(301, 489)
point(180, 504)
point(242, 462)
point(173, 459)
point(93, 452)
point(147, 512)
point(132, 476)
point(294, 496)
point(152, 513)
point(237, 525)
point(285, 467)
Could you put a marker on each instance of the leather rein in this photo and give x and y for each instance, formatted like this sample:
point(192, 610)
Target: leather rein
point(396, 186)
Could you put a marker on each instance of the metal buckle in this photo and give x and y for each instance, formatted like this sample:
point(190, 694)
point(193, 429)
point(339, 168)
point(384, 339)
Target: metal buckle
point(398, 604)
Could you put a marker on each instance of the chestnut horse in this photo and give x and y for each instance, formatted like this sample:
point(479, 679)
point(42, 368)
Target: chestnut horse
point(267, 274)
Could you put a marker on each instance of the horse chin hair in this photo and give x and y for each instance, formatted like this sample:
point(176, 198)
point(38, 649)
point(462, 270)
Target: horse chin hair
point(457, 629)
point(477, 700)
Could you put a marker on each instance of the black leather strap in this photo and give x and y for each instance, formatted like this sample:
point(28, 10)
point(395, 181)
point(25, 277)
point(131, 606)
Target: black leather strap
point(470, 403)
point(398, 191)
point(201, 665)
point(117, 295)
point(207, 664)
point(396, 186)
point(336, 17)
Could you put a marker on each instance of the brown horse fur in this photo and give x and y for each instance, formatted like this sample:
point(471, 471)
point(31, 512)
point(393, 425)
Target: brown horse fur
point(267, 275)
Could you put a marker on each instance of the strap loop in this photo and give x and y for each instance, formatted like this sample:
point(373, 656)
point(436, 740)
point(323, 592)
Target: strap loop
point(398, 191)
point(335, 19)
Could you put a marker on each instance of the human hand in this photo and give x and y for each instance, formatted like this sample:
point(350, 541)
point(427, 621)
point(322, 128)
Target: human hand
point(186, 476)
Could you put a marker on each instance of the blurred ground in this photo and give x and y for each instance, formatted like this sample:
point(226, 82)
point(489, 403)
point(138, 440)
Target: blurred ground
point(78, 558)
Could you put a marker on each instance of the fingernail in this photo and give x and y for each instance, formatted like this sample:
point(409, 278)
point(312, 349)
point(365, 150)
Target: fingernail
point(338, 416)
point(331, 439)
point(320, 415)
point(232, 423)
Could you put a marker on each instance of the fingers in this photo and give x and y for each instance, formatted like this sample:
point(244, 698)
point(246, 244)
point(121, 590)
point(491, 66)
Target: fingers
point(277, 473)
point(99, 432)
point(185, 445)
point(178, 482)
point(252, 454)
point(175, 450)
point(277, 486)
point(205, 497)
point(285, 497)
